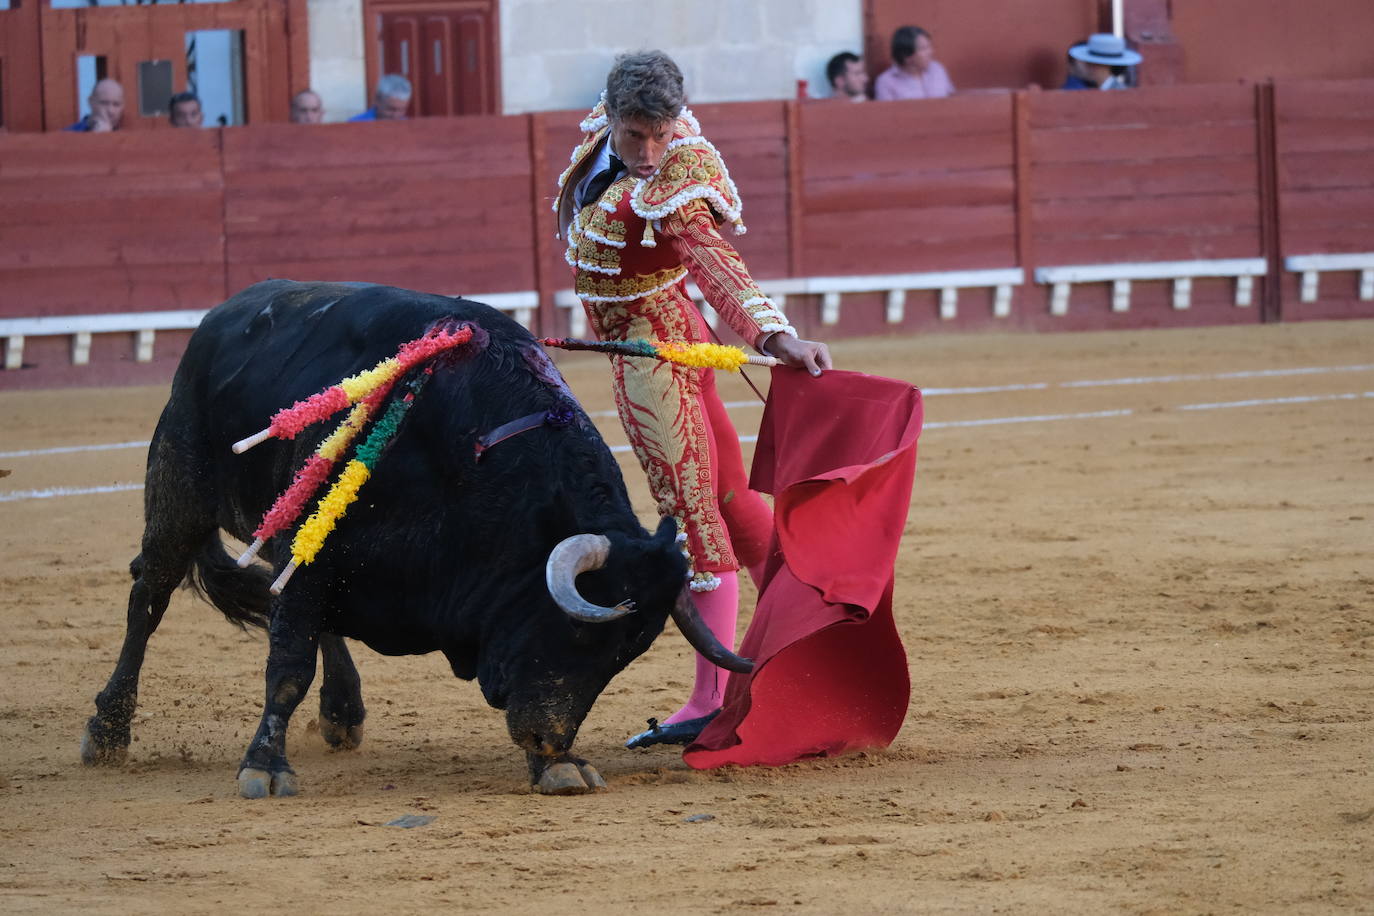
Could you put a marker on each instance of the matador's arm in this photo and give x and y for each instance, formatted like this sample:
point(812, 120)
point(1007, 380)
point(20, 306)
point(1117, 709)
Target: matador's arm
point(719, 271)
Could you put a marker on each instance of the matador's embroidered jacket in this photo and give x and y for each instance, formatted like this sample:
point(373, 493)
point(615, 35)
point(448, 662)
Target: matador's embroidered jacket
point(632, 252)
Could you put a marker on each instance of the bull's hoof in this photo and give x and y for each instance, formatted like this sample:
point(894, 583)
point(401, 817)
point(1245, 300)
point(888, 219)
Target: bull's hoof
point(97, 751)
point(260, 783)
point(569, 779)
point(341, 737)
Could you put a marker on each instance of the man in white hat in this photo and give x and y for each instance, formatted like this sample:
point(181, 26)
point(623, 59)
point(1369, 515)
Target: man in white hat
point(1100, 63)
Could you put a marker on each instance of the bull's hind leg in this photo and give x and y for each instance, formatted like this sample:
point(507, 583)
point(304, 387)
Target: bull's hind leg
point(341, 696)
point(107, 736)
point(179, 521)
point(293, 638)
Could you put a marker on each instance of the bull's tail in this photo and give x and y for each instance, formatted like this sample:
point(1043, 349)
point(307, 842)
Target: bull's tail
point(240, 594)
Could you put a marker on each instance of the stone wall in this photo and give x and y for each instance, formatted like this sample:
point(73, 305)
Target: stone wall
point(338, 69)
point(555, 54)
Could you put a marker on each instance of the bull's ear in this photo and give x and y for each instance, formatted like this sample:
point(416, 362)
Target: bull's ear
point(667, 530)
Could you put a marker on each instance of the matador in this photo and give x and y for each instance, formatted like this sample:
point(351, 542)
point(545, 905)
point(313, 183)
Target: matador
point(640, 208)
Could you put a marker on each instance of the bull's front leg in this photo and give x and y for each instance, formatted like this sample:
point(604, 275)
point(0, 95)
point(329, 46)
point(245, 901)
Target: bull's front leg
point(293, 642)
point(545, 723)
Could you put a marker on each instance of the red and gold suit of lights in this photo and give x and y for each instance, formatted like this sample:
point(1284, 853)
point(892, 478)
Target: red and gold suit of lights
point(632, 252)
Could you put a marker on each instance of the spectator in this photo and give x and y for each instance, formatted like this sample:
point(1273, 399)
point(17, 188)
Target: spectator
point(915, 73)
point(107, 109)
point(307, 108)
point(848, 77)
point(183, 110)
point(1100, 63)
point(390, 101)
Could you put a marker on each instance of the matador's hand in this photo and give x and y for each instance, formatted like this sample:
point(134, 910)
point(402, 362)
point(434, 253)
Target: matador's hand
point(811, 355)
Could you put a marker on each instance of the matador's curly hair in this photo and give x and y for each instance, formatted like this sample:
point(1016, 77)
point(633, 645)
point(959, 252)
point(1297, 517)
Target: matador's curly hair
point(644, 85)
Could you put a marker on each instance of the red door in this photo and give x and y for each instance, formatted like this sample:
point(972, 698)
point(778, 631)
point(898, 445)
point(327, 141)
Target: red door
point(447, 54)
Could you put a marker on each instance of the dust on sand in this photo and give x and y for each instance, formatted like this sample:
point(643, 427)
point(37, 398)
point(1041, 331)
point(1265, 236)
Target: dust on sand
point(1139, 638)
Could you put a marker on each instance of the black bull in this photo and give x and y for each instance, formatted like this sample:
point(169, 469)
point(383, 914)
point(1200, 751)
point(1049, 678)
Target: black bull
point(443, 551)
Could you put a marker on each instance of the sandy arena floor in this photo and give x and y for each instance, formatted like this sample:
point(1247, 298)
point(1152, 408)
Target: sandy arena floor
point(1140, 638)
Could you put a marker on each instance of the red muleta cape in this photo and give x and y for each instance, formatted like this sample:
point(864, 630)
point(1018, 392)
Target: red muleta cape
point(830, 676)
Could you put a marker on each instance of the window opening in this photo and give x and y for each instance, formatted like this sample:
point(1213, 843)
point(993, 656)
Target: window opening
point(214, 71)
point(90, 69)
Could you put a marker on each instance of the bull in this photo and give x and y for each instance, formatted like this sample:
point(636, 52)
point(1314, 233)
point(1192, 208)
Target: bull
point(520, 559)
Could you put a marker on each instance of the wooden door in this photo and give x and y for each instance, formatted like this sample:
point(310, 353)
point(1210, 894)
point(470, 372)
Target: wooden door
point(447, 50)
point(21, 69)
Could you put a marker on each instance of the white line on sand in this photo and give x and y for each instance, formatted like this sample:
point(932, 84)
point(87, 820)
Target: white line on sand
point(64, 449)
point(620, 449)
point(50, 492)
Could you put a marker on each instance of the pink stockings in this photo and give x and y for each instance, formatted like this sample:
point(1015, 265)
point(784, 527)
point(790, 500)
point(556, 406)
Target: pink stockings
point(749, 521)
point(720, 609)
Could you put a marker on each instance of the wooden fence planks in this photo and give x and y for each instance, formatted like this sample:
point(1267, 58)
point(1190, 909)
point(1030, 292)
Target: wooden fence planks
point(439, 204)
point(752, 139)
point(1146, 108)
point(1163, 174)
point(1146, 178)
point(903, 187)
point(1325, 145)
point(1317, 100)
point(179, 219)
point(111, 222)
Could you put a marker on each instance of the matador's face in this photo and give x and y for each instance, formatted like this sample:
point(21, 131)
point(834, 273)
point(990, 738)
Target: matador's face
point(640, 144)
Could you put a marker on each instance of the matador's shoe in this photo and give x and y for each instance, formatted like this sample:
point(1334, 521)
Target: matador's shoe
point(684, 732)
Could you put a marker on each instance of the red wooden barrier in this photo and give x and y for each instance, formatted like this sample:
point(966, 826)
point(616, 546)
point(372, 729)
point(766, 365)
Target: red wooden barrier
point(439, 204)
point(148, 221)
point(93, 223)
point(900, 188)
point(752, 138)
point(1325, 143)
point(907, 187)
point(1162, 174)
point(558, 135)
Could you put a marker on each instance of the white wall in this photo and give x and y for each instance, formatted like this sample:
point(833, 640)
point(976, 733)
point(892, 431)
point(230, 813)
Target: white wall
point(338, 69)
point(555, 53)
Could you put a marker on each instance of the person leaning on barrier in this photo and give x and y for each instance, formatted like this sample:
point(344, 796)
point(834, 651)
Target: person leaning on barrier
point(390, 101)
point(915, 73)
point(307, 107)
point(848, 78)
point(1101, 62)
point(184, 110)
point(107, 109)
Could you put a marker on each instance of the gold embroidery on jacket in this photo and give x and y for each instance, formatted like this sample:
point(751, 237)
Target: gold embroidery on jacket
point(599, 223)
point(592, 255)
point(592, 285)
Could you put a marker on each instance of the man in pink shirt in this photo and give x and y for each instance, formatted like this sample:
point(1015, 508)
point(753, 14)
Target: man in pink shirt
point(915, 73)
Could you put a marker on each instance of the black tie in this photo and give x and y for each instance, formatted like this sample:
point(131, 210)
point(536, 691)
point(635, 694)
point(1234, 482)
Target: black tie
point(602, 180)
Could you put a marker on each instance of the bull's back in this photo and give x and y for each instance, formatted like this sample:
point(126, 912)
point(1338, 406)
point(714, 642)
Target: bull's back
point(273, 344)
point(280, 341)
point(298, 338)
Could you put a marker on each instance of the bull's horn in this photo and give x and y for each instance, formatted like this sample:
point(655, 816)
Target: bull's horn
point(570, 558)
point(689, 621)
